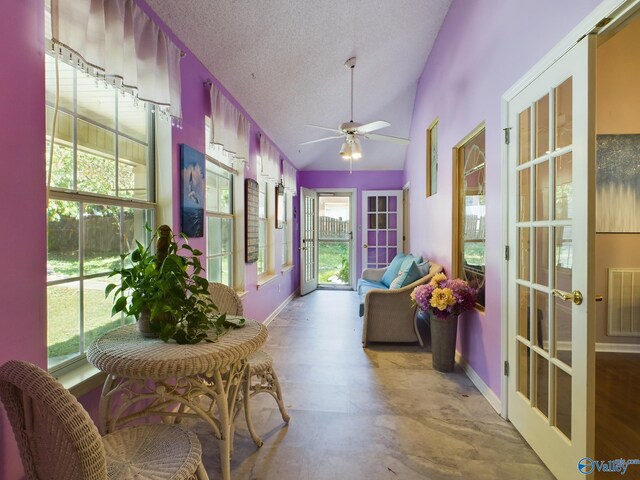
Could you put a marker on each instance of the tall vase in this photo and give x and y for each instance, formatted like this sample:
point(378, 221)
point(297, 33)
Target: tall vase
point(443, 343)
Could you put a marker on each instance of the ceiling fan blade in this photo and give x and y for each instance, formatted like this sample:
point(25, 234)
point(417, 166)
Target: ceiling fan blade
point(370, 127)
point(387, 138)
point(324, 128)
point(321, 139)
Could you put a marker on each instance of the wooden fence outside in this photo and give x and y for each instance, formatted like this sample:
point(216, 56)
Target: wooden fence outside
point(330, 228)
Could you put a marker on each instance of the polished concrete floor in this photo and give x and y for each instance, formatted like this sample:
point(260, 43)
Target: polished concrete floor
point(375, 413)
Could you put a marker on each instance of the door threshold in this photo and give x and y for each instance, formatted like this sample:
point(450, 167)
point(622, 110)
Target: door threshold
point(334, 287)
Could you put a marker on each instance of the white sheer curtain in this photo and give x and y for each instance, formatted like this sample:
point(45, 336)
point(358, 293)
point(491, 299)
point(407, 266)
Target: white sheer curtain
point(289, 177)
point(117, 41)
point(230, 129)
point(270, 161)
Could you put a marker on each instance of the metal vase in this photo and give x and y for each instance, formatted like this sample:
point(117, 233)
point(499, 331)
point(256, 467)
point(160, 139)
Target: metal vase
point(443, 343)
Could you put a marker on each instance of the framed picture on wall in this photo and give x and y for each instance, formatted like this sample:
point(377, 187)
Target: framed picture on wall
point(251, 197)
point(192, 182)
point(618, 183)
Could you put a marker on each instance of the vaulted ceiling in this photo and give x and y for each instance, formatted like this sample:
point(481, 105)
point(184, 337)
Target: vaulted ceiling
point(283, 60)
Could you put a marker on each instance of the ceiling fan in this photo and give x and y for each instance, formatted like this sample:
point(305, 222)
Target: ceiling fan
point(352, 131)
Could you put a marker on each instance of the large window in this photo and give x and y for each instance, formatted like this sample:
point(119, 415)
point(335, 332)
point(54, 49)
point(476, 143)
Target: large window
point(101, 197)
point(220, 224)
point(470, 211)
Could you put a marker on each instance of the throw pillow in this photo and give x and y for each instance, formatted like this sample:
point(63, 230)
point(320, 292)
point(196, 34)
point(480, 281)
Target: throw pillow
point(424, 268)
point(408, 274)
point(392, 269)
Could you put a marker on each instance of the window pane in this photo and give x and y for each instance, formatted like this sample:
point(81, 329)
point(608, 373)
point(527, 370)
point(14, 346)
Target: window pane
point(63, 240)
point(97, 309)
point(225, 194)
point(132, 117)
point(63, 313)
point(96, 160)
point(226, 234)
point(101, 238)
point(214, 270)
point(212, 191)
point(214, 236)
point(62, 162)
point(65, 76)
point(542, 126)
point(96, 100)
point(132, 169)
point(134, 227)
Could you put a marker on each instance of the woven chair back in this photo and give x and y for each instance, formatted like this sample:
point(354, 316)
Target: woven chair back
point(56, 437)
point(225, 298)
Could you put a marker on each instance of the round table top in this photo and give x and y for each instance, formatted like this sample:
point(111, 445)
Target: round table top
point(124, 352)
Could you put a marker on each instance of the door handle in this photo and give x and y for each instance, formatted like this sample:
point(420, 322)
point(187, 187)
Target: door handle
point(599, 298)
point(575, 296)
point(365, 246)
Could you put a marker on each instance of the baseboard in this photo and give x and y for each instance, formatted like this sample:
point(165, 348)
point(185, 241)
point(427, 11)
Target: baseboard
point(275, 313)
point(617, 347)
point(484, 389)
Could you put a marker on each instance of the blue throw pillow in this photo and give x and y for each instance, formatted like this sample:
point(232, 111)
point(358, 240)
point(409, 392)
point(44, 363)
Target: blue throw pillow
point(424, 268)
point(392, 269)
point(408, 274)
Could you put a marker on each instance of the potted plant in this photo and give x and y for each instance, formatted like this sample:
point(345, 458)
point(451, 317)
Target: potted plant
point(164, 291)
point(445, 299)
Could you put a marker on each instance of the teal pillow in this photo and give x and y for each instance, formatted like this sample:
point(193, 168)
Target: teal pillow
point(424, 268)
point(408, 274)
point(392, 269)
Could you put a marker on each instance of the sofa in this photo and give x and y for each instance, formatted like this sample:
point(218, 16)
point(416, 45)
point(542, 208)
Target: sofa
point(385, 299)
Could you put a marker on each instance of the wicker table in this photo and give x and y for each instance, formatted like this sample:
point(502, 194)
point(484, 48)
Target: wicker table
point(147, 377)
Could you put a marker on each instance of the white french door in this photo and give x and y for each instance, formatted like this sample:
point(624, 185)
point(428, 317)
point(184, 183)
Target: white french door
point(551, 296)
point(382, 227)
point(308, 241)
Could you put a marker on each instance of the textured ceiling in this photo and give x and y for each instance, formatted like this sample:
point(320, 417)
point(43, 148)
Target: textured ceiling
point(283, 60)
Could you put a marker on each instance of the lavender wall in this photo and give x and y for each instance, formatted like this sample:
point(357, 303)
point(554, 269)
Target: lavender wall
point(482, 49)
point(22, 197)
point(360, 180)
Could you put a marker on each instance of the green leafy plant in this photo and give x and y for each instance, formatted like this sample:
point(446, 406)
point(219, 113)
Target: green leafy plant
point(167, 286)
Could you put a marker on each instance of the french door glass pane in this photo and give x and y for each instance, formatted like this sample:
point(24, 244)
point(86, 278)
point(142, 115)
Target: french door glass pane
point(564, 113)
point(524, 153)
point(542, 191)
point(524, 369)
point(564, 186)
point(542, 126)
point(541, 272)
point(524, 243)
point(541, 383)
point(541, 331)
point(524, 311)
point(563, 401)
point(525, 195)
point(562, 312)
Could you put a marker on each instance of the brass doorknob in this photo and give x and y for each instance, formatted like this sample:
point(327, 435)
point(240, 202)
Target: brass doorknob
point(365, 246)
point(575, 296)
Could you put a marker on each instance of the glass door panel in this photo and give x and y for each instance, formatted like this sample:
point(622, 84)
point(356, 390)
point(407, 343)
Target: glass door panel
point(383, 236)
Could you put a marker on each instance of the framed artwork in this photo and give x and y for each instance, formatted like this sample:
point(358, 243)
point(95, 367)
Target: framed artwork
point(193, 186)
point(432, 159)
point(251, 192)
point(618, 183)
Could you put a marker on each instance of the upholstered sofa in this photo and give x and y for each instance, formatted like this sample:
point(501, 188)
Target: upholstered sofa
point(386, 307)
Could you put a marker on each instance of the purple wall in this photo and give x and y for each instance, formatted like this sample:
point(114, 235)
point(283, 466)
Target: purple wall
point(360, 180)
point(482, 49)
point(22, 199)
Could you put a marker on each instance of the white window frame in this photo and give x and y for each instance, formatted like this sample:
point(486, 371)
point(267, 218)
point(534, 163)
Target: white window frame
point(214, 168)
point(238, 173)
point(264, 243)
point(76, 361)
point(287, 232)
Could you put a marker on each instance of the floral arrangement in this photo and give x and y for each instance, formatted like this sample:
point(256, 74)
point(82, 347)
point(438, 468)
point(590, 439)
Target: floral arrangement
point(443, 297)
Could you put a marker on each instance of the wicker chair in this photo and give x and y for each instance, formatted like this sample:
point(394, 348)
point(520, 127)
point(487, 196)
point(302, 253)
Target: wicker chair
point(260, 363)
point(57, 438)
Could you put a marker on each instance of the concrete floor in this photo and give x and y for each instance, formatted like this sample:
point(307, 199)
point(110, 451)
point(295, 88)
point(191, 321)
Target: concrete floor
point(375, 413)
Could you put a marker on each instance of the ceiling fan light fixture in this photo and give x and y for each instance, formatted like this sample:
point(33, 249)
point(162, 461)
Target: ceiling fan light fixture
point(356, 149)
point(345, 150)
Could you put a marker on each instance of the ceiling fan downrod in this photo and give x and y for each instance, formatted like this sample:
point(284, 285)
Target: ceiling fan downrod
point(351, 64)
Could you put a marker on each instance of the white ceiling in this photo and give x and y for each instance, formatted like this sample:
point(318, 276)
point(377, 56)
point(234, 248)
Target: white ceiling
point(283, 60)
